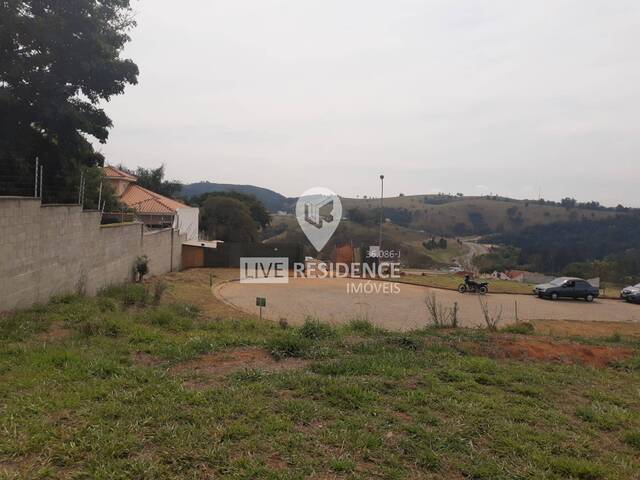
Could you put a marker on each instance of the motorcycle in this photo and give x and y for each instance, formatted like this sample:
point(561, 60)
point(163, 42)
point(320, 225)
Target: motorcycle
point(473, 287)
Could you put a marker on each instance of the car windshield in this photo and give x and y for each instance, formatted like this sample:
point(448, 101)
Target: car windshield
point(558, 281)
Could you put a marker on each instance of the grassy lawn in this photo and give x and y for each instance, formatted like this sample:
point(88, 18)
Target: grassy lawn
point(451, 282)
point(444, 256)
point(115, 387)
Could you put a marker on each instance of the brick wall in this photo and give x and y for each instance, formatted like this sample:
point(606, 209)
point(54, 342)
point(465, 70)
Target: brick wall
point(49, 250)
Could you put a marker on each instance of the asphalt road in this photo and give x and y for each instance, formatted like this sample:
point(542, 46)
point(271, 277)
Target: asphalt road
point(330, 300)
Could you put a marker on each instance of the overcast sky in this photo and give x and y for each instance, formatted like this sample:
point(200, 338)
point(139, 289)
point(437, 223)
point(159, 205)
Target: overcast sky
point(501, 96)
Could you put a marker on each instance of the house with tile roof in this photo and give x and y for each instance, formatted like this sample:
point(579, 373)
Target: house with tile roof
point(153, 209)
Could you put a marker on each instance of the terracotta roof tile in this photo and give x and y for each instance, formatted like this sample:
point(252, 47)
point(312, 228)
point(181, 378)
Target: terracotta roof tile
point(113, 172)
point(145, 201)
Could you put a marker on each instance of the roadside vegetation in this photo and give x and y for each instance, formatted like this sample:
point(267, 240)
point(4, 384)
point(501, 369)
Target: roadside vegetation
point(149, 381)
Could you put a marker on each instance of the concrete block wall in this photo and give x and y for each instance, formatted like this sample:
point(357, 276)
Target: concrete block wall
point(50, 250)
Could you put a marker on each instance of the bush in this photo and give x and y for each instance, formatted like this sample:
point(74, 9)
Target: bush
point(141, 267)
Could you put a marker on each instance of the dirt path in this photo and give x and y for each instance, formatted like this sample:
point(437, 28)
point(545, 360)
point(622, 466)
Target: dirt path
point(473, 250)
point(328, 300)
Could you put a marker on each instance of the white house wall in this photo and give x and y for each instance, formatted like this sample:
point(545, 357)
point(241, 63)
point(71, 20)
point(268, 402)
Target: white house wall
point(186, 221)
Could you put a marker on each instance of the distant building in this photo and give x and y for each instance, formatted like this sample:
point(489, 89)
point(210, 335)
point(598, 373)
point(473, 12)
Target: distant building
point(153, 209)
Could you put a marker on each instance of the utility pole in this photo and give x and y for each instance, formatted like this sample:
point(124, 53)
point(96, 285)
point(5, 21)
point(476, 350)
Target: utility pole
point(381, 210)
point(35, 187)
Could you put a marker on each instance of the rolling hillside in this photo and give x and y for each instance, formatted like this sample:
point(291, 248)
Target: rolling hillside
point(460, 216)
point(273, 201)
point(285, 228)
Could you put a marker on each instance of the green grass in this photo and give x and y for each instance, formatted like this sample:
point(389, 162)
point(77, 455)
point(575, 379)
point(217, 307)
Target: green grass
point(366, 404)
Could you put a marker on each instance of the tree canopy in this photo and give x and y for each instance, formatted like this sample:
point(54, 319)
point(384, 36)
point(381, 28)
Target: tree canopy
point(228, 219)
point(59, 61)
point(257, 209)
point(153, 179)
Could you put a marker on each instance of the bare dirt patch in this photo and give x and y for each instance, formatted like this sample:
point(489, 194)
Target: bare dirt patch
point(144, 359)
point(212, 367)
point(536, 349)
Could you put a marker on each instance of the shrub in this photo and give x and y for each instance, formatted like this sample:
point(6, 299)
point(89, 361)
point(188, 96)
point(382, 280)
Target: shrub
point(141, 267)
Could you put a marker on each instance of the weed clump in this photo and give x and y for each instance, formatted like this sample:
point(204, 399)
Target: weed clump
point(288, 346)
point(129, 294)
point(441, 317)
point(522, 328)
point(314, 329)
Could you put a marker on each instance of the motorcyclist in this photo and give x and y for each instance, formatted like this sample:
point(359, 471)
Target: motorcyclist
point(469, 281)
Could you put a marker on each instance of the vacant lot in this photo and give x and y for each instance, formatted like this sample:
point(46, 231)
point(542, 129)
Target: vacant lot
point(117, 387)
point(329, 300)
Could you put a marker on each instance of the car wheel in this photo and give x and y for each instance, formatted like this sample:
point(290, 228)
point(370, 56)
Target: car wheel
point(554, 296)
point(589, 298)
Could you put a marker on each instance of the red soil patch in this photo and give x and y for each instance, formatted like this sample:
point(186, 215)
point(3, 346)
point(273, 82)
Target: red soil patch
point(526, 348)
point(220, 364)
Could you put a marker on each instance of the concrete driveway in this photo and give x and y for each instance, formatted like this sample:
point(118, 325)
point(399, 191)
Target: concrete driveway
point(330, 300)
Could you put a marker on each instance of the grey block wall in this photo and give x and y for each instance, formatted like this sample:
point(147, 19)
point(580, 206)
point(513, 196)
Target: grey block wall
point(50, 250)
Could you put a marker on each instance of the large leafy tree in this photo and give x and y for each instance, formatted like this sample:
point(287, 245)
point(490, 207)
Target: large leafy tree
point(258, 211)
point(228, 219)
point(153, 179)
point(59, 59)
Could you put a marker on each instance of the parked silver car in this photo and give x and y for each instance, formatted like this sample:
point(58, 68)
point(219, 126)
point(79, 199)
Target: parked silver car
point(631, 291)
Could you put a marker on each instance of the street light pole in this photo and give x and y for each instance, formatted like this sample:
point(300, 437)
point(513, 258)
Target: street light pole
point(381, 210)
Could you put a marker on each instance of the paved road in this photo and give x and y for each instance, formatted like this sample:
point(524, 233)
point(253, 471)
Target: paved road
point(329, 300)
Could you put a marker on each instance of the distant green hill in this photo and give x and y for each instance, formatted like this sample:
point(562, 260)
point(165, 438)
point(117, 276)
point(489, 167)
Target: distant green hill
point(273, 201)
point(461, 216)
